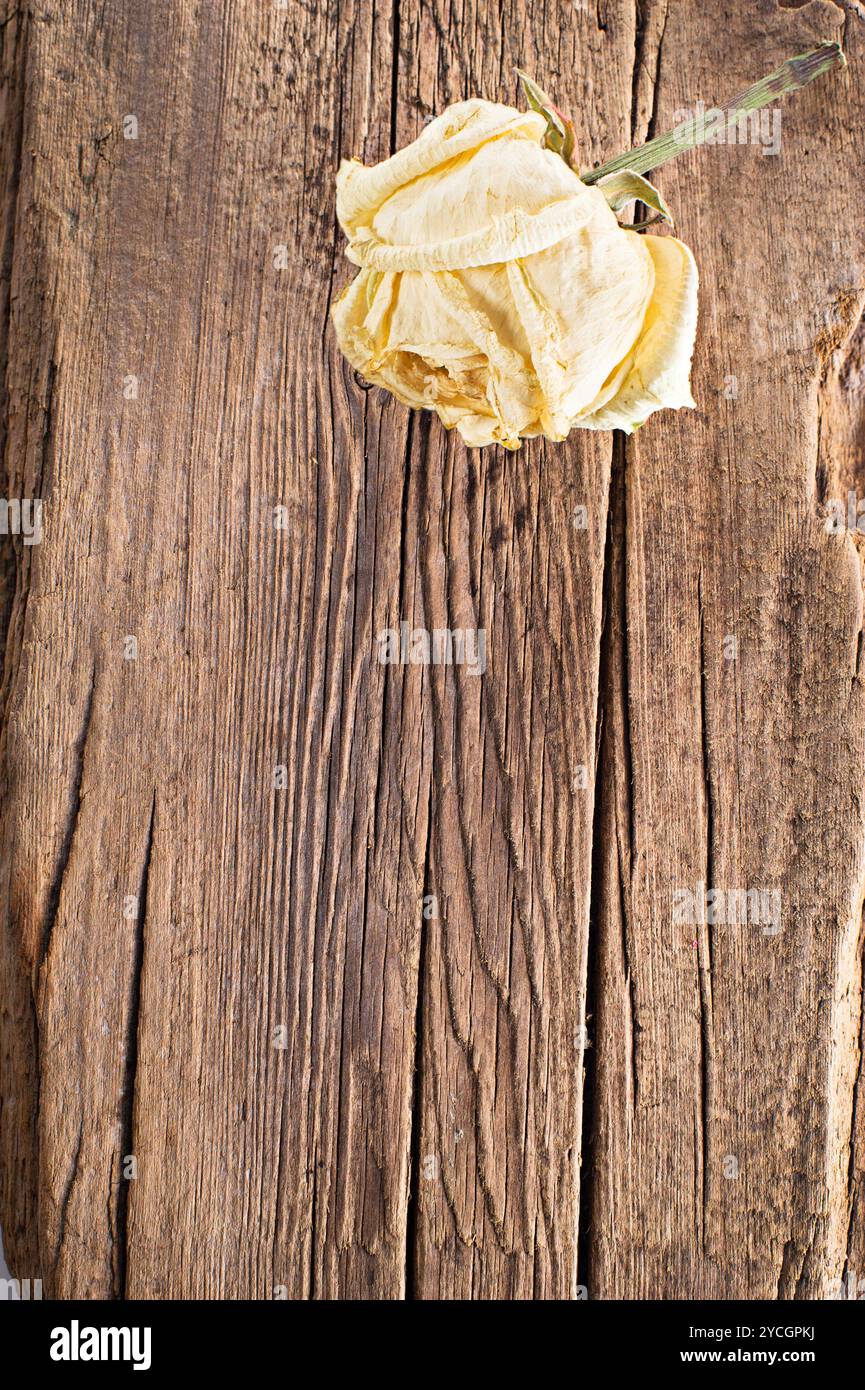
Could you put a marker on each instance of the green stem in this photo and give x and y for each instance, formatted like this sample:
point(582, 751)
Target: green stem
point(789, 77)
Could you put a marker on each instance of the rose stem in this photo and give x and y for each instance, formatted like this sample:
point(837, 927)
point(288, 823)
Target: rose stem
point(789, 77)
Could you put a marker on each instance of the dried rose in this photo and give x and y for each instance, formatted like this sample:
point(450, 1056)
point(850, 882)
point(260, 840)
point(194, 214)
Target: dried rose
point(496, 286)
point(498, 289)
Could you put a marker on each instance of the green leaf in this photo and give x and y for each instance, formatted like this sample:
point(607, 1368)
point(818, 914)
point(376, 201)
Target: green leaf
point(623, 186)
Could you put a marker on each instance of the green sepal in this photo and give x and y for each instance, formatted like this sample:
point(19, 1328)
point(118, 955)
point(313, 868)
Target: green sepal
point(624, 186)
point(560, 134)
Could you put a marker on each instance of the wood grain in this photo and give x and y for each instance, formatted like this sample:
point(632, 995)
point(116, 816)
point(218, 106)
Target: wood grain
point(372, 969)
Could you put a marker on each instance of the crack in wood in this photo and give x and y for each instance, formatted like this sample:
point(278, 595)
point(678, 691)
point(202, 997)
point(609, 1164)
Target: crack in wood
point(644, 15)
point(604, 776)
point(64, 1201)
point(704, 965)
point(416, 1102)
point(127, 1121)
point(853, 1179)
point(313, 1227)
point(394, 75)
point(56, 889)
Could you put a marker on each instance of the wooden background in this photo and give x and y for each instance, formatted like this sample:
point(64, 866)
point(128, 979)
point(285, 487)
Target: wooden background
point(226, 972)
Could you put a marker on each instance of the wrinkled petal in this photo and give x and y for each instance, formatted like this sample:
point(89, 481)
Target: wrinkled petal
point(657, 370)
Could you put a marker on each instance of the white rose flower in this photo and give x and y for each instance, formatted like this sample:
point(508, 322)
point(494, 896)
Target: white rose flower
point(499, 290)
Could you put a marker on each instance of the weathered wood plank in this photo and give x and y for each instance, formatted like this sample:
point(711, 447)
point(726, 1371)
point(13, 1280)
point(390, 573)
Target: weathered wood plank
point(18, 1061)
point(258, 1165)
point(506, 548)
point(217, 848)
point(733, 756)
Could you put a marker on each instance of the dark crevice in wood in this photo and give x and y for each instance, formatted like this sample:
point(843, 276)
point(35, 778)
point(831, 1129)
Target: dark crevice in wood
point(619, 502)
point(641, 211)
point(67, 1192)
point(623, 868)
point(412, 1246)
point(703, 1083)
point(278, 1197)
point(704, 753)
point(704, 967)
point(601, 788)
point(652, 129)
point(805, 1278)
point(127, 1122)
point(394, 75)
point(639, 46)
point(8, 588)
point(641, 29)
point(821, 473)
point(786, 1278)
point(619, 645)
point(47, 428)
point(853, 1200)
point(404, 503)
point(69, 833)
point(334, 243)
point(794, 1271)
point(313, 1228)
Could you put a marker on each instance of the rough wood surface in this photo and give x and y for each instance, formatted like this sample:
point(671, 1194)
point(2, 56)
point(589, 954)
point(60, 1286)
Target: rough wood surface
point(223, 846)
